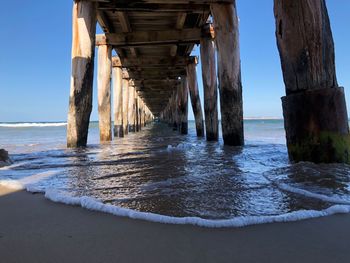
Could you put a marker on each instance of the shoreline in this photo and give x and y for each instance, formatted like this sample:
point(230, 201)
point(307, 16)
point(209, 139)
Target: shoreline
point(34, 229)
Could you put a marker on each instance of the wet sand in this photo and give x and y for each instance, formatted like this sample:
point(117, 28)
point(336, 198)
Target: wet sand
point(33, 229)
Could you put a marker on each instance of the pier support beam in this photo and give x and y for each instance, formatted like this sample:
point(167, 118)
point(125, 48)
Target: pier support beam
point(104, 91)
point(117, 97)
point(125, 103)
point(137, 117)
point(83, 50)
point(314, 107)
point(183, 105)
point(195, 99)
point(208, 59)
point(132, 112)
point(229, 72)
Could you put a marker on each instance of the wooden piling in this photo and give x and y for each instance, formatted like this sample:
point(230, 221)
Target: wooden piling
point(229, 71)
point(125, 102)
point(104, 91)
point(195, 99)
point(208, 59)
point(83, 50)
point(131, 111)
point(183, 105)
point(117, 80)
point(137, 118)
point(314, 107)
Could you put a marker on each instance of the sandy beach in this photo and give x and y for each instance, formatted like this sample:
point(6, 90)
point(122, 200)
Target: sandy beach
point(33, 229)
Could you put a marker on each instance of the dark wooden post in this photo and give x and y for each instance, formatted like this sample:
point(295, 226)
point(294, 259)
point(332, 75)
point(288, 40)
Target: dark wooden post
point(229, 71)
point(83, 51)
point(195, 99)
point(183, 106)
point(208, 59)
point(104, 91)
point(117, 97)
point(314, 107)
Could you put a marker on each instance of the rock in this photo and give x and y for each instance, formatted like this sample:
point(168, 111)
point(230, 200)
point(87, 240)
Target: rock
point(4, 158)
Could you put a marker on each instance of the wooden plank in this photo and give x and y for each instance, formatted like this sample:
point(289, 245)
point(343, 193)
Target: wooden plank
point(157, 61)
point(126, 28)
point(155, 8)
point(83, 51)
point(150, 38)
point(104, 92)
point(124, 21)
point(173, 50)
point(180, 22)
point(181, 18)
point(104, 22)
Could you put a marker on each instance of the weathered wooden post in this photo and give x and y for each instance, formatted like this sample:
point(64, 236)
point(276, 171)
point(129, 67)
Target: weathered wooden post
point(314, 107)
point(194, 94)
point(125, 102)
point(139, 104)
point(137, 113)
point(208, 59)
point(104, 91)
point(131, 111)
point(175, 110)
point(183, 106)
point(229, 71)
point(117, 97)
point(83, 51)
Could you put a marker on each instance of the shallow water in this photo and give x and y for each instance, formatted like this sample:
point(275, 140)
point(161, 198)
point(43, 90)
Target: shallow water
point(161, 172)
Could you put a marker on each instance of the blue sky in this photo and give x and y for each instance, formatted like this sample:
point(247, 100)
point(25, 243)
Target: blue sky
point(35, 58)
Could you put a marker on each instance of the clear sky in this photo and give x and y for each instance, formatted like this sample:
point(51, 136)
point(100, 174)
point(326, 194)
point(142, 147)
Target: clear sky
point(35, 58)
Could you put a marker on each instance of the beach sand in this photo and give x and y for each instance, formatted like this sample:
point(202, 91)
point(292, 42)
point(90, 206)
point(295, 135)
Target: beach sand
point(34, 229)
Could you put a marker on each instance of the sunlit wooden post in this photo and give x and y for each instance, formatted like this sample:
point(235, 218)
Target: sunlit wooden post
point(229, 71)
point(83, 51)
point(314, 107)
point(125, 102)
point(104, 91)
point(131, 110)
point(117, 79)
point(208, 61)
point(195, 99)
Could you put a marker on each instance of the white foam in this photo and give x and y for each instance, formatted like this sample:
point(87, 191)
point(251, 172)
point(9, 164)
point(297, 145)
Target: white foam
point(96, 205)
point(28, 182)
point(179, 147)
point(32, 124)
point(322, 197)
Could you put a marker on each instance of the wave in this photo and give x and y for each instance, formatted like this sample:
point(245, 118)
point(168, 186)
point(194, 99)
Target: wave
point(241, 221)
point(32, 124)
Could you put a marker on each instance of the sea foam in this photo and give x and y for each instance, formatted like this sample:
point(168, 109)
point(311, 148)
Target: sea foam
point(96, 205)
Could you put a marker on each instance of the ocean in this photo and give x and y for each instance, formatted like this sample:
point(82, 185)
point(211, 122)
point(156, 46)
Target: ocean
point(161, 176)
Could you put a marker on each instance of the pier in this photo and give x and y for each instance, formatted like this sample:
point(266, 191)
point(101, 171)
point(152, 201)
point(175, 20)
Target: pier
point(153, 74)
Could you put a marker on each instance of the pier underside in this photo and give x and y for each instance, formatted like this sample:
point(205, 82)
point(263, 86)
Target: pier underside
point(154, 74)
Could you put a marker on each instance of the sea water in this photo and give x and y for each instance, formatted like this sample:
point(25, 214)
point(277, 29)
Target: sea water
point(162, 176)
